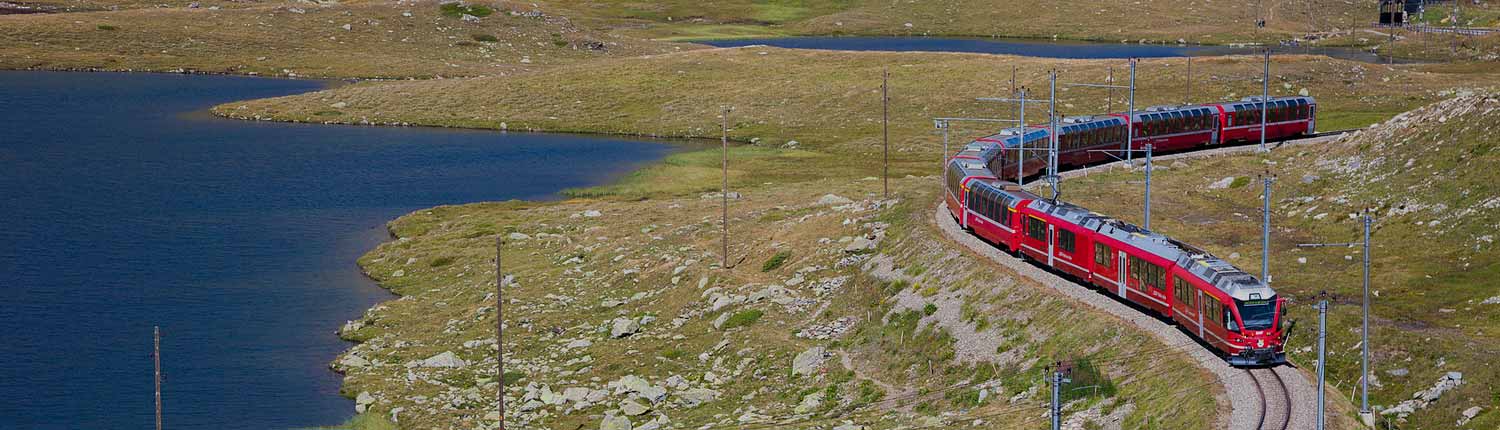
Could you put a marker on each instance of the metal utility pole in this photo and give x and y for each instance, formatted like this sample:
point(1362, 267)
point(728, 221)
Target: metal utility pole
point(1265, 230)
point(1148, 186)
point(1052, 136)
point(1265, 99)
point(1130, 118)
point(1322, 356)
point(1021, 147)
point(156, 359)
point(885, 127)
point(944, 123)
point(724, 187)
point(1364, 375)
point(1057, 380)
point(500, 327)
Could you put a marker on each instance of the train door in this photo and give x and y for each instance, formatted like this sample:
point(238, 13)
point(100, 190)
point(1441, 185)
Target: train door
point(1201, 303)
point(1122, 275)
point(1051, 245)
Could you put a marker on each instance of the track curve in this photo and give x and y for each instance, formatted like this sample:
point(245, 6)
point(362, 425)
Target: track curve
point(1256, 399)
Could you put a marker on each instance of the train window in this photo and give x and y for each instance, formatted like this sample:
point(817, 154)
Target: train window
point(1065, 240)
point(1182, 291)
point(1103, 256)
point(1036, 228)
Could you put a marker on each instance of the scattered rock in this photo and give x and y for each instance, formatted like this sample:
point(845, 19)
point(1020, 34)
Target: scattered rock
point(353, 361)
point(624, 327)
point(518, 236)
point(347, 27)
point(580, 343)
point(445, 359)
point(1469, 414)
point(696, 396)
point(1424, 398)
point(469, 18)
point(1398, 372)
point(1491, 301)
point(339, 105)
point(591, 213)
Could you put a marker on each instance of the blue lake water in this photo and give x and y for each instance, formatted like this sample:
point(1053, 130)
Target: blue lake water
point(1034, 47)
point(127, 206)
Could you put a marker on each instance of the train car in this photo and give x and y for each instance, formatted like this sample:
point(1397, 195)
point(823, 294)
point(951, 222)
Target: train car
point(957, 177)
point(1021, 145)
point(1171, 128)
point(1285, 117)
point(992, 210)
point(1083, 139)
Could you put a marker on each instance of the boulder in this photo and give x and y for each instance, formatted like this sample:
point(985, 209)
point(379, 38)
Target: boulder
point(362, 402)
point(352, 361)
point(1221, 184)
point(624, 327)
point(592, 213)
point(810, 403)
point(633, 408)
point(850, 426)
point(808, 362)
point(612, 422)
point(518, 236)
point(1469, 414)
point(580, 343)
point(469, 18)
point(833, 200)
point(575, 394)
point(445, 359)
point(696, 396)
point(861, 244)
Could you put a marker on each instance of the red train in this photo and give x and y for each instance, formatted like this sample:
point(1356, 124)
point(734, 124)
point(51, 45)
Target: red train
point(1223, 306)
point(1084, 140)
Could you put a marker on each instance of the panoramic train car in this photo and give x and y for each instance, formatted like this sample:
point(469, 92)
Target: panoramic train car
point(960, 173)
point(1083, 138)
point(1171, 128)
point(1014, 148)
point(1285, 117)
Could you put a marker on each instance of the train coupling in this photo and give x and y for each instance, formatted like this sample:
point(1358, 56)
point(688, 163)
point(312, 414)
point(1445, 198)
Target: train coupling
point(1252, 357)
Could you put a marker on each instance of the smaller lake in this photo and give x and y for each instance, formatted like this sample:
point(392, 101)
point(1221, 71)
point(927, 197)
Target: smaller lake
point(1036, 47)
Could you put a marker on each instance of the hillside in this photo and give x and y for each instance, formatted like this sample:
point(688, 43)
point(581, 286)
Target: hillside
point(1427, 174)
point(367, 39)
point(837, 312)
point(1210, 21)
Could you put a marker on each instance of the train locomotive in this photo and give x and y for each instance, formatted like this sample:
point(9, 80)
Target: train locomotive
point(1231, 311)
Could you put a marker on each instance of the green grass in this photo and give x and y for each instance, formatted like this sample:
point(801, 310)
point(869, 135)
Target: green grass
point(743, 318)
point(106, 27)
point(481, 37)
point(775, 261)
point(440, 261)
point(365, 421)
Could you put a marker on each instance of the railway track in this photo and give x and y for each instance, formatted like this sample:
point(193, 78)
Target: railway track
point(1275, 399)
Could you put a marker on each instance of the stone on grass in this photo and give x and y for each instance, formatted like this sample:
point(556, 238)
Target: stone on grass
point(1221, 184)
point(613, 422)
point(808, 362)
point(445, 359)
point(352, 361)
point(518, 236)
point(362, 402)
point(624, 327)
point(633, 408)
point(810, 402)
point(833, 200)
point(696, 396)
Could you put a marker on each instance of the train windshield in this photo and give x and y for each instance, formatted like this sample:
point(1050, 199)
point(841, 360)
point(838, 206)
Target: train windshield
point(1257, 314)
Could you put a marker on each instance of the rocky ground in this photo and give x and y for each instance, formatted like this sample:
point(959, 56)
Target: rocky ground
point(837, 312)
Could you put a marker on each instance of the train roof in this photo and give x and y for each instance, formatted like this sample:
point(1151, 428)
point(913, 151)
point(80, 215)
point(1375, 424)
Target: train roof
point(971, 168)
point(980, 150)
point(1254, 102)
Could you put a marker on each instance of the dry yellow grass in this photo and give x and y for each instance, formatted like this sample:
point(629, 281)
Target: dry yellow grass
point(305, 39)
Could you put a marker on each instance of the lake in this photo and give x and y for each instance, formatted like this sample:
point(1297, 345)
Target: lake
point(127, 205)
point(1035, 47)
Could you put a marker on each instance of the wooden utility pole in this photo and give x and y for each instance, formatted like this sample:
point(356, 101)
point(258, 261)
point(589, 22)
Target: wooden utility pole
point(885, 127)
point(724, 187)
point(499, 329)
point(156, 359)
point(1189, 81)
point(1109, 105)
